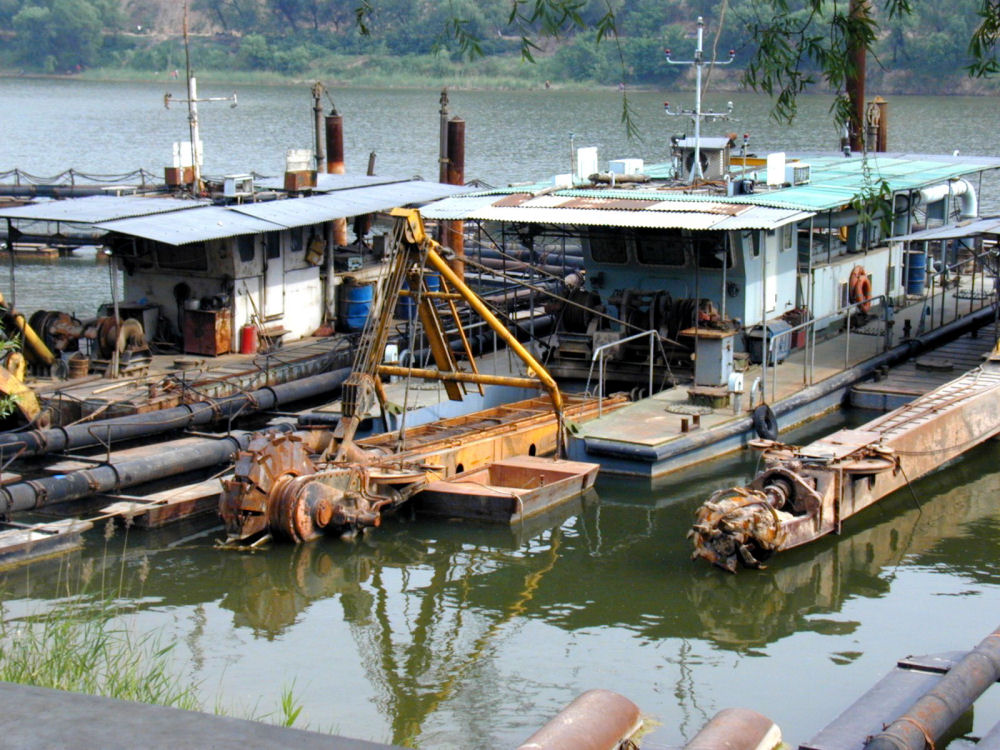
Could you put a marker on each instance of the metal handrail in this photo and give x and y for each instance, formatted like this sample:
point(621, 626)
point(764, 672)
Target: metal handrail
point(599, 355)
point(943, 274)
point(768, 351)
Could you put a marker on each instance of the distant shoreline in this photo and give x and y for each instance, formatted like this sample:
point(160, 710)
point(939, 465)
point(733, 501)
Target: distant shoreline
point(886, 84)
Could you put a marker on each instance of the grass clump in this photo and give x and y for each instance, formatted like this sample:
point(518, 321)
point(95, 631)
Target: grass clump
point(77, 649)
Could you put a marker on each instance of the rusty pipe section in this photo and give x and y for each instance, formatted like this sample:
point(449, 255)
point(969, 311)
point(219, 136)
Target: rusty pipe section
point(737, 729)
point(941, 706)
point(455, 230)
point(335, 165)
point(596, 720)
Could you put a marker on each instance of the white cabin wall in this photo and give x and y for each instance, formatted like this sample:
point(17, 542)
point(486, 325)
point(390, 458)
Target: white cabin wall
point(784, 261)
point(829, 279)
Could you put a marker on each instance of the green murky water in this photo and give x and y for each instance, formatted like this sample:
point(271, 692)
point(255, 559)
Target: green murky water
point(439, 635)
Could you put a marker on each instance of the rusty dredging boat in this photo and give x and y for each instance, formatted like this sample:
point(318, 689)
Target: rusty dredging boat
point(804, 493)
point(299, 486)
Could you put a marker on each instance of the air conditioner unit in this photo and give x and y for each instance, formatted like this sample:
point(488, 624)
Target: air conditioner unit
point(713, 155)
point(796, 173)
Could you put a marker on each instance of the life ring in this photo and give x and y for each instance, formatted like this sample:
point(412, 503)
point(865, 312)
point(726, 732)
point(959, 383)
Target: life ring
point(765, 424)
point(861, 288)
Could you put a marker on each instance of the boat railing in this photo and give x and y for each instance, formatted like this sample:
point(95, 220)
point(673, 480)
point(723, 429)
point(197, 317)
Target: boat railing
point(811, 326)
point(940, 280)
point(598, 356)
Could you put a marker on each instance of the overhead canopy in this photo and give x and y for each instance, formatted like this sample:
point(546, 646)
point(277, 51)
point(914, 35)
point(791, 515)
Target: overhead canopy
point(326, 182)
point(98, 208)
point(196, 225)
point(989, 225)
point(834, 181)
point(593, 210)
point(203, 222)
point(297, 212)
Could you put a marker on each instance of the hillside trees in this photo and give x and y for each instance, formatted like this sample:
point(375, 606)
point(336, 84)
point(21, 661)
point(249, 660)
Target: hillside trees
point(783, 46)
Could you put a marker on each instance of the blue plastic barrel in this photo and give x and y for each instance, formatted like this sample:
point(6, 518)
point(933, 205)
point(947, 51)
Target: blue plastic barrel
point(916, 272)
point(407, 305)
point(355, 304)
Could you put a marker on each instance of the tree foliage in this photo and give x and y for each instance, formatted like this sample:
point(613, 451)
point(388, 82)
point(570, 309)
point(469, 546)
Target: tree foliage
point(783, 46)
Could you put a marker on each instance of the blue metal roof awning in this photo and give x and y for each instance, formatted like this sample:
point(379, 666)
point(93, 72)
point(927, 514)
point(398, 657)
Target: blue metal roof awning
point(989, 225)
point(196, 225)
point(98, 208)
point(326, 182)
point(342, 204)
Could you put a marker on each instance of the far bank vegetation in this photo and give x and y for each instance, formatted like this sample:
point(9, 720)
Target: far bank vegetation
point(454, 42)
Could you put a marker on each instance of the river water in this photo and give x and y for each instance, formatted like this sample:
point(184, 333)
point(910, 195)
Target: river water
point(442, 635)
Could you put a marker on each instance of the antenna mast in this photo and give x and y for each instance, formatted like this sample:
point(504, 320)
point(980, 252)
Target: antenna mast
point(192, 102)
point(696, 114)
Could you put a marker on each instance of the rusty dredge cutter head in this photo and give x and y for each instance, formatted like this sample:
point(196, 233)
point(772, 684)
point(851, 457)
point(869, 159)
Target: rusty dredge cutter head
point(277, 488)
point(741, 525)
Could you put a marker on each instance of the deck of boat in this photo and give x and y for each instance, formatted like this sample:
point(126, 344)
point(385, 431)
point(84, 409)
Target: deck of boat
point(647, 437)
point(174, 379)
point(922, 374)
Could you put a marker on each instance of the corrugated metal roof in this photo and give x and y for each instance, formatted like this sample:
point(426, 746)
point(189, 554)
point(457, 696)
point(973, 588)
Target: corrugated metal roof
point(326, 182)
point(834, 182)
point(297, 212)
point(409, 190)
point(751, 217)
point(457, 208)
point(196, 225)
point(990, 225)
point(98, 208)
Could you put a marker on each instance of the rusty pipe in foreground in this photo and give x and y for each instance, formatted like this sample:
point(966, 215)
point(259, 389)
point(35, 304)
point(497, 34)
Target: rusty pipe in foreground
point(737, 729)
point(596, 720)
point(941, 706)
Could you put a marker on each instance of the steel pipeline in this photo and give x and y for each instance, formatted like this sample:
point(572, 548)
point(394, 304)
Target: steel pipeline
point(694, 441)
point(941, 706)
point(170, 459)
point(108, 431)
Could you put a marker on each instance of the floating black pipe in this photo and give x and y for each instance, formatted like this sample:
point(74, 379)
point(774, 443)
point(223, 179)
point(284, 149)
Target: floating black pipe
point(941, 706)
point(64, 191)
point(167, 460)
point(109, 431)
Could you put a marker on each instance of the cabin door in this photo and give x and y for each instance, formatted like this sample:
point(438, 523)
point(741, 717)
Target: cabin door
point(770, 271)
point(274, 277)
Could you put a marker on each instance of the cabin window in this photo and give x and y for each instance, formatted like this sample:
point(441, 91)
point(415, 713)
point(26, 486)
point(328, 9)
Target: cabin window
point(182, 257)
point(711, 250)
point(272, 246)
point(246, 247)
point(607, 247)
point(658, 248)
point(752, 238)
point(295, 240)
point(787, 235)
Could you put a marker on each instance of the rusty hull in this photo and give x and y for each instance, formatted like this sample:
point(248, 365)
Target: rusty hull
point(804, 493)
point(286, 486)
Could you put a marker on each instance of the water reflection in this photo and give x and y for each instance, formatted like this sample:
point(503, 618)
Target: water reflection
point(431, 608)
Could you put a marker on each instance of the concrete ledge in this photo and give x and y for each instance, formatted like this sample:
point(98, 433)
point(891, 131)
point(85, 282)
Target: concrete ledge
point(36, 717)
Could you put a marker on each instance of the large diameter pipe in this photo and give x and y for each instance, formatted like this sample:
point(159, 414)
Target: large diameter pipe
point(737, 729)
point(941, 706)
point(335, 165)
point(456, 176)
point(176, 457)
point(597, 720)
point(108, 431)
